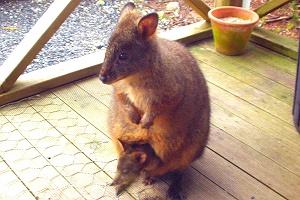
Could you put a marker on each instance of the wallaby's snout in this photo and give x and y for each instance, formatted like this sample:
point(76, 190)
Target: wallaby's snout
point(103, 77)
point(106, 75)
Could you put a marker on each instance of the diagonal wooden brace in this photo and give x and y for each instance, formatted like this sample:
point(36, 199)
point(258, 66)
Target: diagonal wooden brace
point(34, 41)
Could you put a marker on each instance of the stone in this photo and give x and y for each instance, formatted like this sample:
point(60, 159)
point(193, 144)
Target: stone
point(101, 2)
point(172, 6)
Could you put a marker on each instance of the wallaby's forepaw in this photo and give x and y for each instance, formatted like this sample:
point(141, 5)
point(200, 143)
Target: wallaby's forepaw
point(149, 180)
point(147, 125)
point(146, 122)
point(134, 117)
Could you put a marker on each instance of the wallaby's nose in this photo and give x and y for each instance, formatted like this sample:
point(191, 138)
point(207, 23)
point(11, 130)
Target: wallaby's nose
point(103, 78)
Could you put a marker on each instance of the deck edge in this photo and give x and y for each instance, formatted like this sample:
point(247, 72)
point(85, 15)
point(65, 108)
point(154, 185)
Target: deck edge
point(53, 76)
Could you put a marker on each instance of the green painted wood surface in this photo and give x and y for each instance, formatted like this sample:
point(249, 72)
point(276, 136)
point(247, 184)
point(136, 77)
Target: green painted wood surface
point(240, 67)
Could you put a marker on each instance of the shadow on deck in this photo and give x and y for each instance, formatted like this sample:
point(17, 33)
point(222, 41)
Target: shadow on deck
point(55, 145)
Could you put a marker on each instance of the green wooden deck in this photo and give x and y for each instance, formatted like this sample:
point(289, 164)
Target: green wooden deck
point(55, 145)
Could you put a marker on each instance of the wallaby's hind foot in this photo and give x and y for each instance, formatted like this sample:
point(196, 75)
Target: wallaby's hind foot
point(175, 189)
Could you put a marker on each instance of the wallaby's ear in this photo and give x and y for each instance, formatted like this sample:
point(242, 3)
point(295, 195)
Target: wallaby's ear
point(140, 157)
point(128, 7)
point(148, 25)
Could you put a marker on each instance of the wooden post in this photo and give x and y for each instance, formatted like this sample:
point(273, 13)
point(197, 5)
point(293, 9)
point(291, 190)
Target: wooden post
point(34, 41)
point(219, 3)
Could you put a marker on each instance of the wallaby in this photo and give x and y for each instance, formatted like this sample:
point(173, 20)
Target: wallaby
point(159, 94)
point(136, 159)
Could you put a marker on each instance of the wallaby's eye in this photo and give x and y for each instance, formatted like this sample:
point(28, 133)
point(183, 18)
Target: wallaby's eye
point(125, 171)
point(123, 56)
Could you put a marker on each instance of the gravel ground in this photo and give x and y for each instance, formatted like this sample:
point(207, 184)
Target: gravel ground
point(87, 29)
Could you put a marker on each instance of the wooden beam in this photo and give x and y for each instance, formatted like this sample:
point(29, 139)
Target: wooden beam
point(189, 34)
point(270, 6)
point(275, 42)
point(53, 76)
point(200, 7)
point(34, 41)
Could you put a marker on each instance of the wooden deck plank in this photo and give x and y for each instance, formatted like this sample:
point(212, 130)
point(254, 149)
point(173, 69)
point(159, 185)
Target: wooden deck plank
point(196, 185)
point(269, 172)
point(76, 168)
point(92, 87)
point(90, 140)
point(77, 148)
point(262, 61)
point(11, 187)
point(27, 163)
point(232, 179)
point(237, 70)
point(190, 33)
point(84, 104)
point(249, 93)
point(264, 142)
point(275, 127)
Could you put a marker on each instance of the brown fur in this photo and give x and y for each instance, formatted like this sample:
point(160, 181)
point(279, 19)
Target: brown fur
point(160, 95)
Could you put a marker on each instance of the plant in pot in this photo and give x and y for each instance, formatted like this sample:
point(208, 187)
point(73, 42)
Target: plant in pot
point(232, 27)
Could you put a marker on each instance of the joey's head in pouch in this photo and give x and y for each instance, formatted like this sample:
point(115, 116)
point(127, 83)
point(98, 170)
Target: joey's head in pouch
point(130, 47)
point(130, 164)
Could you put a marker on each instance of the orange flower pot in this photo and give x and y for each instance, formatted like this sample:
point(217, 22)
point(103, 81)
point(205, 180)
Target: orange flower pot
point(232, 27)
